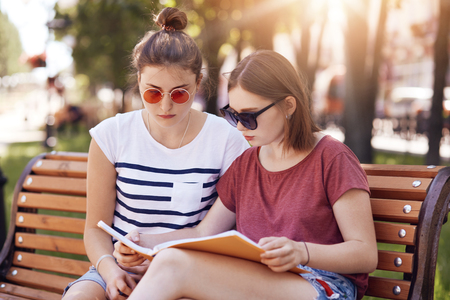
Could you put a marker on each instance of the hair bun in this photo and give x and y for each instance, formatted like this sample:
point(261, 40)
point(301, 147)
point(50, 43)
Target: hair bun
point(171, 17)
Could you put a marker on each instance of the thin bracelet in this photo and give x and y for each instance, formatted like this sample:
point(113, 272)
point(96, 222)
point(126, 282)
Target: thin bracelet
point(101, 258)
point(307, 251)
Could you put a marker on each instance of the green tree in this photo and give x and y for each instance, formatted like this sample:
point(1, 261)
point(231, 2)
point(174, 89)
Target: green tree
point(10, 48)
point(106, 32)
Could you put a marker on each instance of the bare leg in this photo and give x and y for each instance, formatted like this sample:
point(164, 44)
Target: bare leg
point(176, 273)
point(85, 290)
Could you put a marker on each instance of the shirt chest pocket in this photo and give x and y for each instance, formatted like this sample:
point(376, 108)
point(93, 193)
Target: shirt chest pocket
point(186, 196)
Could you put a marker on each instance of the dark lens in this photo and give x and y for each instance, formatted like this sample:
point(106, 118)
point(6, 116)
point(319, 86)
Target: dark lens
point(248, 120)
point(152, 96)
point(229, 117)
point(179, 96)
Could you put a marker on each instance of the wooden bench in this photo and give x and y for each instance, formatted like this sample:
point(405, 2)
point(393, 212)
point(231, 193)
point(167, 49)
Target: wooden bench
point(44, 249)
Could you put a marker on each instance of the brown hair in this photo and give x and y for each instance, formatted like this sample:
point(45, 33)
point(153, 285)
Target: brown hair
point(169, 46)
point(270, 75)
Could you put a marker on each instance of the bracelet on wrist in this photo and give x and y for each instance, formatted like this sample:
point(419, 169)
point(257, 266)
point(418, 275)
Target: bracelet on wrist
point(102, 258)
point(307, 252)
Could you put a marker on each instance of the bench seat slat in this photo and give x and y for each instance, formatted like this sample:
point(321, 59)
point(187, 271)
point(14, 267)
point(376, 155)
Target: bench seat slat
point(50, 263)
point(55, 223)
point(383, 288)
point(389, 233)
point(63, 168)
point(53, 202)
point(398, 187)
point(393, 210)
point(27, 293)
point(386, 261)
point(50, 243)
point(40, 280)
point(401, 170)
point(57, 185)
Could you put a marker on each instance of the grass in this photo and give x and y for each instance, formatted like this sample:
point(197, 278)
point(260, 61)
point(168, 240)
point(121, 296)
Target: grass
point(19, 154)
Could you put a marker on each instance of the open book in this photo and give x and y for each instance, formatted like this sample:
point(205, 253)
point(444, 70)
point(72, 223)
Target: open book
point(230, 243)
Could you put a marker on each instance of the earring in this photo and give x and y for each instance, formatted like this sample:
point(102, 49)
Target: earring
point(288, 117)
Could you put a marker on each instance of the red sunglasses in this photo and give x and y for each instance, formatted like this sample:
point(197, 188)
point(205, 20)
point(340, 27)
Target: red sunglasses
point(179, 95)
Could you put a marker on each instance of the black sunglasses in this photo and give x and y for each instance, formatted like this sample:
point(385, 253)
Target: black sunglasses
point(248, 120)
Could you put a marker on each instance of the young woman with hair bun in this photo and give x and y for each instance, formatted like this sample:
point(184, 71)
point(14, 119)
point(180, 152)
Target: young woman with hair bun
point(300, 194)
point(153, 170)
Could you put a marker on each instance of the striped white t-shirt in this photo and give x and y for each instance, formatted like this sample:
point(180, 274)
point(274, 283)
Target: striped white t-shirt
point(161, 189)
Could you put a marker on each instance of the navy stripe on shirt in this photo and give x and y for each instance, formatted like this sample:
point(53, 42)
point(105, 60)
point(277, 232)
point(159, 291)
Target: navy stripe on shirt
point(162, 212)
point(144, 182)
point(143, 197)
point(159, 184)
point(166, 171)
point(155, 224)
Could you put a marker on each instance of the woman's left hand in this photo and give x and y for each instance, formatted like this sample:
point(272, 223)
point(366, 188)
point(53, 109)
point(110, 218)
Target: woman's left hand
point(282, 254)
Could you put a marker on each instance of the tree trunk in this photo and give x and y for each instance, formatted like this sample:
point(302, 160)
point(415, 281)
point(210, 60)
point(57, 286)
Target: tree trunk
point(359, 112)
point(441, 65)
point(379, 40)
point(302, 56)
point(216, 36)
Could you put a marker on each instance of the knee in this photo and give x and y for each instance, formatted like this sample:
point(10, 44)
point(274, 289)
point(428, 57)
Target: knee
point(171, 264)
point(170, 259)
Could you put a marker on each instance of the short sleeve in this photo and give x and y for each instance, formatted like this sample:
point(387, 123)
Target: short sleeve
point(236, 144)
point(342, 174)
point(105, 135)
point(226, 187)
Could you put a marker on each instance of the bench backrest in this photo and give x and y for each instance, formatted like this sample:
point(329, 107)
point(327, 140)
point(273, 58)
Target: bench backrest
point(45, 251)
point(409, 205)
point(44, 248)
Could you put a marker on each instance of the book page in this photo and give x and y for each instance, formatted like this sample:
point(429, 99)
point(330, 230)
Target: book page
point(230, 243)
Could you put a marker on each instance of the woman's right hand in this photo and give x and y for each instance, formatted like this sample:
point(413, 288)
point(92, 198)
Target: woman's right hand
point(125, 255)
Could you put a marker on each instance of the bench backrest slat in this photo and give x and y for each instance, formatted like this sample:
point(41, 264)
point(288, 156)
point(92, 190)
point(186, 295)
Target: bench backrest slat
point(50, 263)
point(403, 211)
point(384, 287)
point(63, 168)
point(50, 243)
point(35, 279)
point(391, 233)
point(386, 261)
point(25, 293)
point(53, 202)
point(47, 222)
point(401, 170)
point(57, 185)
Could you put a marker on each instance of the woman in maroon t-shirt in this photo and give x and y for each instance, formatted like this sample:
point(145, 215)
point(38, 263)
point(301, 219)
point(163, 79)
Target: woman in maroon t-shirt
point(301, 195)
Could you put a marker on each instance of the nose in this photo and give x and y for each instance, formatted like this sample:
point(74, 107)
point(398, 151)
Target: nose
point(166, 102)
point(241, 127)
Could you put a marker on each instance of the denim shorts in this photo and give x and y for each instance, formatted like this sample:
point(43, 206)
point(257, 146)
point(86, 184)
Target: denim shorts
point(329, 285)
point(91, 275)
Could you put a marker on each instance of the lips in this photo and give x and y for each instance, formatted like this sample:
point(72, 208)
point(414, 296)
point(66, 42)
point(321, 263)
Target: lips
point(248, 138)
point(166, 116)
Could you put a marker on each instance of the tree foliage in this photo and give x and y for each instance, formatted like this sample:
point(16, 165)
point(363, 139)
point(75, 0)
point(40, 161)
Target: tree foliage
point(106, 32)
point(10, 47)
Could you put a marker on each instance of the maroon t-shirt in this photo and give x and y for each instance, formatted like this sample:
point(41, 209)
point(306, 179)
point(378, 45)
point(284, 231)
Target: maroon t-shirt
point(297, 202)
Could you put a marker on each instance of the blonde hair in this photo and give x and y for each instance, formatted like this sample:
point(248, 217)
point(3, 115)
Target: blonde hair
point(270, 75)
